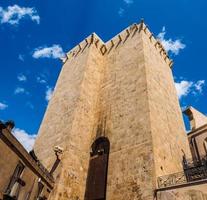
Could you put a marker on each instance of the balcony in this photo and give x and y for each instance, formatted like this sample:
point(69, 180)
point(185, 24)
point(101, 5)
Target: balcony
point(193, 170)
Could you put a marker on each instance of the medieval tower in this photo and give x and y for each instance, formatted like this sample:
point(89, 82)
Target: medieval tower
point(116, 115)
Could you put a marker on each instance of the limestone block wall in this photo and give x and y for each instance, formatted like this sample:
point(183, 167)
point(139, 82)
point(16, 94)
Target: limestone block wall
point(201, 143)
point(31, 187)
point(123, 90)
point(76, 156)
point(58, 118)
point(196, 192)
point(197, 119)
point(167, 127)
point(69, 120)
point(11, 154)
point(6, 170)
point(125, 109)
point(198, 142)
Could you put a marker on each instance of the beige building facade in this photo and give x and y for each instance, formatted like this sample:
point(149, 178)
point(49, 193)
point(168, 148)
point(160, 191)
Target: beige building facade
point(21, 177)
point(116, 114)
point(190, 184)
point(198, 133)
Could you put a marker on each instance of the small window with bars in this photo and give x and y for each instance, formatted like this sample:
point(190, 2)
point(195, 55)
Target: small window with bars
point(16, 182)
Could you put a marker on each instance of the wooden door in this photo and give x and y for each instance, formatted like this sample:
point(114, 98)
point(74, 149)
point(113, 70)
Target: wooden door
point(97, 172)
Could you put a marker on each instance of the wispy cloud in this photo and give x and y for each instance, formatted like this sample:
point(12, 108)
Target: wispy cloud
point(172, 46)
point(48, 93)
point(26, 139)
point(199, 86)
point(22, 78)
point(128, 1)
point(20, 90)
point(41, 80)
point(13, 14)
point(54, 51)
point(21, 57)
point(30, 105)
point(3, 106)
point(121, 12)
point(185, 87)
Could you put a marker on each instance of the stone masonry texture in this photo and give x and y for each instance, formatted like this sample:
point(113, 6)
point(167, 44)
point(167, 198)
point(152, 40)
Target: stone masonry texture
point(11, 154)
point(124, 90)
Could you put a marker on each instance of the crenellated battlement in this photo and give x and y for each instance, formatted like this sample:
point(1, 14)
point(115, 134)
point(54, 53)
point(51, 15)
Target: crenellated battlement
point(157, 44)
point(92, 39)
point(122, 37)
point(106, 48)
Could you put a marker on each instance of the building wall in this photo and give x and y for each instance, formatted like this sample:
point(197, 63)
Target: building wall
point(198, 142)
point(122, 90)
point(69, 121)
point(197, 192)
point(169, 139)
point(196, 118)
point(125, 117)
point(8, 163)
point(11, 154)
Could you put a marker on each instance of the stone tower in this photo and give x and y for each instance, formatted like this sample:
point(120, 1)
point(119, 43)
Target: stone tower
point(116, 114)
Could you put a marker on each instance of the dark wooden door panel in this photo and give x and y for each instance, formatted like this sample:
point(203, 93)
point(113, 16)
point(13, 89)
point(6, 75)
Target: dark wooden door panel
point(96, 182)
point(97, 172)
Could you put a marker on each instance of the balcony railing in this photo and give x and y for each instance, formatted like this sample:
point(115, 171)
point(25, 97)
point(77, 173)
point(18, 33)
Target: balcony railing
point(171, 180)
point(193, 170)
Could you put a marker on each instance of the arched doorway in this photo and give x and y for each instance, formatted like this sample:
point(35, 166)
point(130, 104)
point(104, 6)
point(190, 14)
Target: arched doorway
point(97, 172)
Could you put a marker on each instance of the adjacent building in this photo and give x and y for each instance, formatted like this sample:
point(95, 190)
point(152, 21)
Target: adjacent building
point(22, 176)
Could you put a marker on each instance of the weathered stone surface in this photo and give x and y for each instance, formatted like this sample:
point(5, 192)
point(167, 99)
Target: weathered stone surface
point(122, 90)
point(198, 142)
point(11, 154)
point(198, 192)
point(197, 119)
point(6, 172)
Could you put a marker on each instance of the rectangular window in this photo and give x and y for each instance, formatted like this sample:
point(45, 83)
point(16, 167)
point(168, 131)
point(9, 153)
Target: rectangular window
point(15, 181)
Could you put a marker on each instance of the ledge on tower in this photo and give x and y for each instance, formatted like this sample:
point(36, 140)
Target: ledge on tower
point(92, 39)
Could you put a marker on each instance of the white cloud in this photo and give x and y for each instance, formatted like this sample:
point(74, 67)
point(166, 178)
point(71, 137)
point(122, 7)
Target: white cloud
point(19, 90)
point(21, 57)
point(3, 106)
point(48, 94)
point(128, 1)
point(170, 46)
point(54, 51)
point(41, 80)
point(121, 12)
point(30, 105)
point(199, 86)
point(22, 77)
point(13, 14)
point(185, 87)
point(24, 138)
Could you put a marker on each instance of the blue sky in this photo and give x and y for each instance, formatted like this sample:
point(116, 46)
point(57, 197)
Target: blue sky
point(33, 34)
